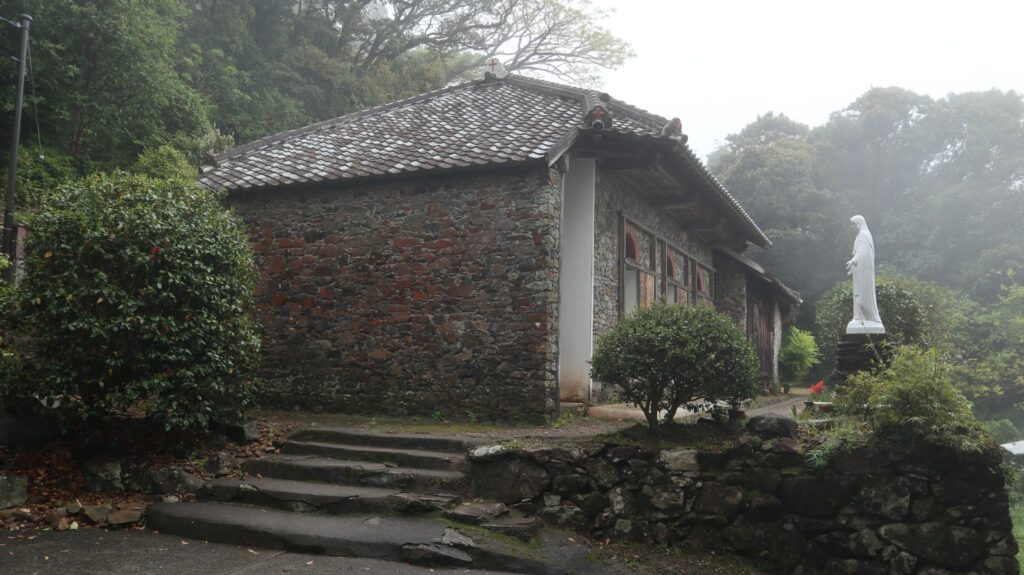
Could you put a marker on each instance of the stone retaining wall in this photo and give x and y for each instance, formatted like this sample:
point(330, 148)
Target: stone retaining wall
point(867, 512)
point(415, 296)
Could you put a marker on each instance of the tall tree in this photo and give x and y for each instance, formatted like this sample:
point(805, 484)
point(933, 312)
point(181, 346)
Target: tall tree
point(104, 73)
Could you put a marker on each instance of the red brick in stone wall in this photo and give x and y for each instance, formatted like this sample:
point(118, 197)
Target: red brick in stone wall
point(415, 296)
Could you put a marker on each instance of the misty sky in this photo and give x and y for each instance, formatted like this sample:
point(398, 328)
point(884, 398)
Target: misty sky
point(718, 64)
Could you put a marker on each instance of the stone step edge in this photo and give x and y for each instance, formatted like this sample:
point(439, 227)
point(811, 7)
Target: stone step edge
point(435, 442)
point(302, 496)
point(457, 462)
point(243, 525)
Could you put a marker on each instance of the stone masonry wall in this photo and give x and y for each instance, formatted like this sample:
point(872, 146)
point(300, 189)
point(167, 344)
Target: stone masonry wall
point(871, 511)
point(731, 290)
point(612, 198)
point(414, 296)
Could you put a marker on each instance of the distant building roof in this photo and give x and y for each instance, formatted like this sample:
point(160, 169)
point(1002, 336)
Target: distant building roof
point(485, 123)
point(758, 270)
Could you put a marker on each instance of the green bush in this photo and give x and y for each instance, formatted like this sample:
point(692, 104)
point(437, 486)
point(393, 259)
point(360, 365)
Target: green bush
point(913, 399)
point(166, 163)
point(136, 296)
point(901, 313)
point(799, 354)
point(668, 356)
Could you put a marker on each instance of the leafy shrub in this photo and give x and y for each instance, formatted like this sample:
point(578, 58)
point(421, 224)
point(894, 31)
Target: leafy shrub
point(913, 399)
point(798, 355)
point(136, 295)
point(164, 162)
point(669, 356)
point(41, 170)
point(901, 313)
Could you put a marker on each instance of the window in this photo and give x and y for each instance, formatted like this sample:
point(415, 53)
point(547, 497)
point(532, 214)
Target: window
point(655, 270)
point(702, 285)
point(640, 273)
point(677, 273)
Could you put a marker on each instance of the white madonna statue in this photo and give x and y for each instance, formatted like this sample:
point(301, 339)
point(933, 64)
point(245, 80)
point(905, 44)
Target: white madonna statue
point(862, 268)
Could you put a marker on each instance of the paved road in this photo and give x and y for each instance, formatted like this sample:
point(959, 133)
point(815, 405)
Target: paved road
point(91, 551)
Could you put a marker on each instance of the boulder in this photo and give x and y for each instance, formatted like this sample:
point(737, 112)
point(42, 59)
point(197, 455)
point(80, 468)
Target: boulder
point(1002, 565)
point(762, 507)
point(887, 501)
point(765, 479)
point(486, 453)
point(603, 473)
point(172, 481)
point(784, 547)
point(564, 516)
point(96, 513)
point(126, 516)
point(861, 544)
point(622, 502)
point(510, 480)
point(570, 484)
point(720, 500)
point(771, 425)
point(241, 432)
point(13, 490)
point(938, 543)
point(103, 476)
point(813, 496)
point(855, 567)
point(475, 513)
point(221, 463)
point(902, 564)
point(679, 459)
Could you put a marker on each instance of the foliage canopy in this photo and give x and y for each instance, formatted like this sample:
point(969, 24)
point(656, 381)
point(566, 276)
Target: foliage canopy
point(136, 296)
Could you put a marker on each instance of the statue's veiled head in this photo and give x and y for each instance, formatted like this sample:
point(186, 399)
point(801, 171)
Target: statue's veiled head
point(859, 223)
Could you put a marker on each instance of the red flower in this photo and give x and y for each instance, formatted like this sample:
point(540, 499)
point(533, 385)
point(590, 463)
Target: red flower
point(818, 387)
point(154, 250)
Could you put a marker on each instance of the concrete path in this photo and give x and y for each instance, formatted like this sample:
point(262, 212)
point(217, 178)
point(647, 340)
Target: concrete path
point(623, 412)
point(91, 551)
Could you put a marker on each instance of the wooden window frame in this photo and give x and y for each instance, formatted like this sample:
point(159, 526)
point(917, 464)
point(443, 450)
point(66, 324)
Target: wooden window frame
point(660, 248)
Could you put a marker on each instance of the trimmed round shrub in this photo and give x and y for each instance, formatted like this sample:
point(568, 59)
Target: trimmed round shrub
point(669, 356)
point(137, 296)
point(901, 314)
point(798, 355)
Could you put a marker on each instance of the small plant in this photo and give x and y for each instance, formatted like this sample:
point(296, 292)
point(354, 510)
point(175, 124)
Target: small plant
point(669, 356)
point(566, 418)
point(439, 416)
point(799, 354)
point(846, 434)
point(914, 398)
point(817, 389)
point(471, 416)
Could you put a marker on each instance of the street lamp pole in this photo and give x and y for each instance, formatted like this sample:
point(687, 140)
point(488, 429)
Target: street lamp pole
point(24, 23)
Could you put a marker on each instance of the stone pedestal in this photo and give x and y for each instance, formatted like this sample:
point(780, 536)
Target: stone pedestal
point(860, 352)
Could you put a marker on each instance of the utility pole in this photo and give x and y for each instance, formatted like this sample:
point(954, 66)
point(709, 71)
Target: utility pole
point(24, 23)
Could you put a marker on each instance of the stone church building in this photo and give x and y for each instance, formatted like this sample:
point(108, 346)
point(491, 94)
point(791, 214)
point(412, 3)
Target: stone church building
point(459, 252)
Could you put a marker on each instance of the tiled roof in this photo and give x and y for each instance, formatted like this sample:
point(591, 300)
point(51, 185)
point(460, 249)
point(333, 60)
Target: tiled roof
point(491, 122)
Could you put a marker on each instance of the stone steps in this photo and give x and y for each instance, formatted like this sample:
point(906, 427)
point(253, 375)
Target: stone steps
point(410, 540)
point(339, 471)
point(404, 457)
point(417, 441)
point(366, 494)
point(309, 497)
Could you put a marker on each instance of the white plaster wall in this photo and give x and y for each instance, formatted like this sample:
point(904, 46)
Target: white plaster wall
point(576, 281)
